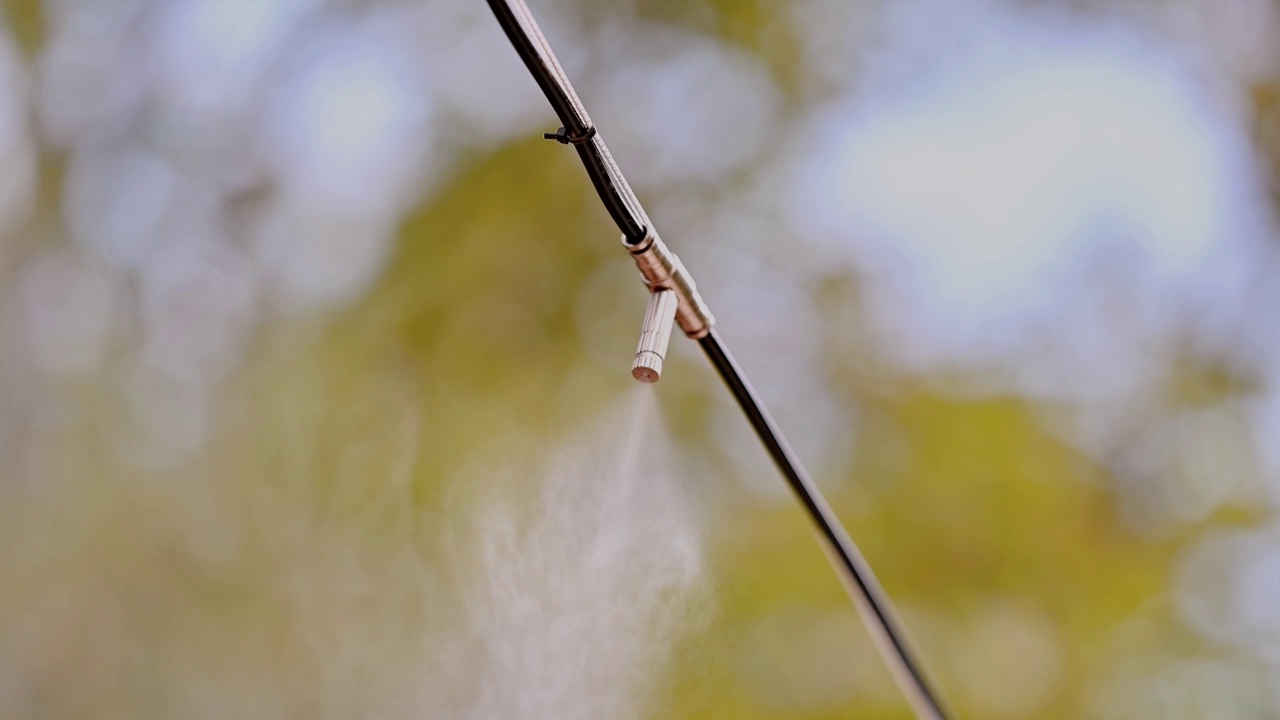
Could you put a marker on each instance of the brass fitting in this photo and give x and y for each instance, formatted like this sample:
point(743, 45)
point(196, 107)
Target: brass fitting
point(662, 270)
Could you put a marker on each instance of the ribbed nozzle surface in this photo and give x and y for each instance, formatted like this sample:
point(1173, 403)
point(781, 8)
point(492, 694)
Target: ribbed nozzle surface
point(655, 335)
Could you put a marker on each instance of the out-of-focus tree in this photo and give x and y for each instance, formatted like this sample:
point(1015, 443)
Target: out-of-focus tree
point(281, 279)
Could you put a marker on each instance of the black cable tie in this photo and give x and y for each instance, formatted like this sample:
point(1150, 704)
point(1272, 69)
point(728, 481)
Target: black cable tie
point(563, 137)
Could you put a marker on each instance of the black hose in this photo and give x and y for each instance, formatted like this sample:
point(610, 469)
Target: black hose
point(525, 35)
point(859, 580)
point(517, 21)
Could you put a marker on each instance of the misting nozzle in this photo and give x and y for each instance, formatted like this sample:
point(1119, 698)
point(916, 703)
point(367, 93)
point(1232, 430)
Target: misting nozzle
point(655, 335)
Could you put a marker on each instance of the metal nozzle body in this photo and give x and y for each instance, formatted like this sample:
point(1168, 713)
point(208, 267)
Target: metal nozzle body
point(662, 270)
point(655, 335)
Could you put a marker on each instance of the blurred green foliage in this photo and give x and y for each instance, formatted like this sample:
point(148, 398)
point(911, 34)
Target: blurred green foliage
point(353, 428)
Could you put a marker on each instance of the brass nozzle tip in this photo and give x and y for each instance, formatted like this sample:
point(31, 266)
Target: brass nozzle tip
point(647, 367)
